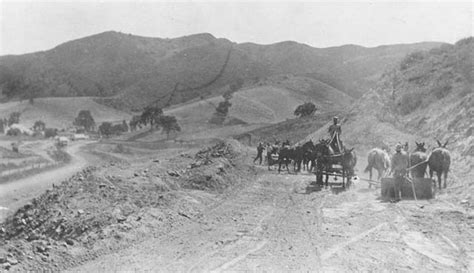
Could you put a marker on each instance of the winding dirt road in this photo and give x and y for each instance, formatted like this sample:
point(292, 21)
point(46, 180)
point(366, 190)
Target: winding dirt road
point(16, 193)
point(282, 223)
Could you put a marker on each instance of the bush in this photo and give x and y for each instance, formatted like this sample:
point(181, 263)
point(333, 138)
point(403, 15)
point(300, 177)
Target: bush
point(409, 103)
point(441, 91)
point(306, 109)
point(50, 132)
point(14, 132)
point(412, 58)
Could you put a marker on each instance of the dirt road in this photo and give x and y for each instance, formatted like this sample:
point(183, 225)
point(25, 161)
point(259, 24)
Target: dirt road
point(282, 223)
point(16, 193)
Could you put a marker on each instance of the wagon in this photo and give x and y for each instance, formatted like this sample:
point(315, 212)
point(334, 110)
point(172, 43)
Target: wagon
point(332, 166)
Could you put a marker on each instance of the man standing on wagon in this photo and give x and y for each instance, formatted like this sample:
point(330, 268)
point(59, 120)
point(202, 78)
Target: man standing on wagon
point(335, 132)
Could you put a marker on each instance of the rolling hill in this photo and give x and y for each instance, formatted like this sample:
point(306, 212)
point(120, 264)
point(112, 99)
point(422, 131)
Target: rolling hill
point(129, 71)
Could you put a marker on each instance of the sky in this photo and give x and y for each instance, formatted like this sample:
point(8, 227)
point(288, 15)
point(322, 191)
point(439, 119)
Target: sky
point(30, 26)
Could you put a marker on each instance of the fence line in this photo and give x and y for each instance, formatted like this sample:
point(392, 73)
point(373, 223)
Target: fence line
point(28, 167)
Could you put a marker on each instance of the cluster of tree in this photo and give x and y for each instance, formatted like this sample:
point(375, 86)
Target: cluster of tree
point(223, 107)
point(153, 116)
point(107, 129)
point(14, 118)
point(305, 109)
point(85, 119)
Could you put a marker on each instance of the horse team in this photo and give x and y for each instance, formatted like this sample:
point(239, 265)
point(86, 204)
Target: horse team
point(310, 155)
point(439, 161)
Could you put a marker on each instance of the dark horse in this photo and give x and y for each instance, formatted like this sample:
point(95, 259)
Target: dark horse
point(326, 158)
point(419, 159)
point(284, 156)
point(439, 162)
point(308, 150)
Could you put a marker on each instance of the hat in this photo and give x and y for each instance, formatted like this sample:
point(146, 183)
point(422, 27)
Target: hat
point(398, 147)
point(335, 117)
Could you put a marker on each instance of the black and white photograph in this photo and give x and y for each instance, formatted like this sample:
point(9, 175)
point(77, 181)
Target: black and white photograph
point(236, 136)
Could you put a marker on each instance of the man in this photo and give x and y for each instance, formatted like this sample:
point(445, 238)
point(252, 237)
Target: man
point(400, 163)
point(260, 149)
point(335, 132)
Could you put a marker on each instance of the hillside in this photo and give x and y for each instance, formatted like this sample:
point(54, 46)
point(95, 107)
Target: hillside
point(427, 96)
point(132, 71)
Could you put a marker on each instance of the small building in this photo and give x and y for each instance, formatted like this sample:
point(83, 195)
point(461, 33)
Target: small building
point(79, 137)
point(62, 141)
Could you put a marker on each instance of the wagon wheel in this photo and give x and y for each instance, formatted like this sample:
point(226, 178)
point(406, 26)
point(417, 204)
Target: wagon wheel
point(343, 177)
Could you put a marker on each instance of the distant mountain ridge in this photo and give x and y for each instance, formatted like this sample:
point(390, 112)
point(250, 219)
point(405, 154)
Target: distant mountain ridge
point(132, 71)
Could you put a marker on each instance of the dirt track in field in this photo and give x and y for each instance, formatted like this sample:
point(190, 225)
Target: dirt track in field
point(282, 223)
point(17, 193)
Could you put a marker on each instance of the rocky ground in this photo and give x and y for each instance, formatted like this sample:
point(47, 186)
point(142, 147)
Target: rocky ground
point(212, 210)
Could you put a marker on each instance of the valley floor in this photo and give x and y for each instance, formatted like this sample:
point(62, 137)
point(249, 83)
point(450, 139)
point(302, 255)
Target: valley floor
point(282, 223)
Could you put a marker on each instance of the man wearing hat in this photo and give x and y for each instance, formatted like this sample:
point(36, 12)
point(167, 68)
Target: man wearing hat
point(400, 163)
point(334, 134)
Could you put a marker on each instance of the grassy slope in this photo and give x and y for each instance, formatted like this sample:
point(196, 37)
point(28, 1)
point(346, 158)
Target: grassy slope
point(60, 112)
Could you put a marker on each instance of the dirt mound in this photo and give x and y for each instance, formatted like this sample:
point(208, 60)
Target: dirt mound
point(217, 167)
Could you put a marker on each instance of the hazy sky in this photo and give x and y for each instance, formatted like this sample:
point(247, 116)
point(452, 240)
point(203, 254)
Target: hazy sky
point(33, 26)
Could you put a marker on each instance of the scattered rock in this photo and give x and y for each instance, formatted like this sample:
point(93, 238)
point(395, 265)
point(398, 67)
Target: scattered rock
point(173, 173)
point(464, 202)
point(12, 261)
point(7, 266)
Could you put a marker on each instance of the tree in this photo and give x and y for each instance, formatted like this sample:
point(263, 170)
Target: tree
point(135, 122)
point(14, 132)
point(150, 115)
point(14, 118)
point(118, 129)
point(39, 125)
point(106, 129)
point(85, 119)
point(3, 124)
point(305, 109)
point(50, 132)
point(124, 126)
point(223, 108)
point(169, 124)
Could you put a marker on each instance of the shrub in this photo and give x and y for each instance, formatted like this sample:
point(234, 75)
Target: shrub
point(14, 132)
point(50, 132)
point(442, 90)
point(412, 58)
point(409, 103)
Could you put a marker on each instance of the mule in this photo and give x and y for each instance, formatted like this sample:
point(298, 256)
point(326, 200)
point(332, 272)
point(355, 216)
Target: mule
point(308, 155)
point(322, 153)
point(380, 160)
point(297, 157)
point(439, 161)
point(349, 160)
point(272, 150)
point(416, 159)
point(284, 156)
